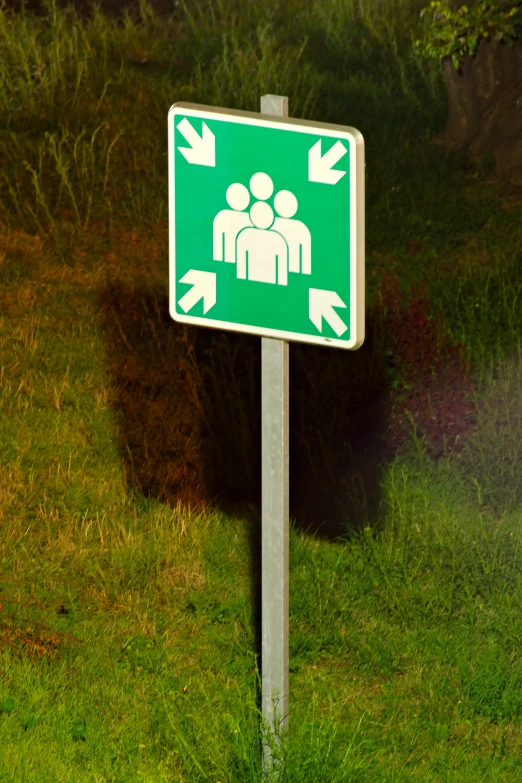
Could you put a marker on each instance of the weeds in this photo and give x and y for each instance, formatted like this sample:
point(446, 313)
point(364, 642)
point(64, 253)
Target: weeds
point(493, 685)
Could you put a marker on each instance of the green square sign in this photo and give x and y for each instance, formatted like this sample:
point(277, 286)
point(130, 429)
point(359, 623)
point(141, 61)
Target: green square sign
point(266, 225)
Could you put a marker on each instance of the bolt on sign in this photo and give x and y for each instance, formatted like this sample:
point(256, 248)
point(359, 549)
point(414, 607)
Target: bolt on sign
point(266, 225)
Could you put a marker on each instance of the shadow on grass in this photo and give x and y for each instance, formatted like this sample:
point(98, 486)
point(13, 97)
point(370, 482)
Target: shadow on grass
point(188, 401)
point(188, 405)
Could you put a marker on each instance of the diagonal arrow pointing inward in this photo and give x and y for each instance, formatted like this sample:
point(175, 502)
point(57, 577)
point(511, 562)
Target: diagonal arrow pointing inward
point(320, 166)
point(321, 304)
point(202, 150)
point(203, 287)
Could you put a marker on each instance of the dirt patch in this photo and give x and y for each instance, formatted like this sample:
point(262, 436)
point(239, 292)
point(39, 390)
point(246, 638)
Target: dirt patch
point(33, 640)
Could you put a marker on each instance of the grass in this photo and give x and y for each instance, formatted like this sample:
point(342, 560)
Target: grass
point(129, 555)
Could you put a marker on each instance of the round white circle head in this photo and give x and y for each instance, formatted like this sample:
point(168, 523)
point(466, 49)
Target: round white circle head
point(285, 204)
point(261, 186)
point(237, 196)
point(261, 214)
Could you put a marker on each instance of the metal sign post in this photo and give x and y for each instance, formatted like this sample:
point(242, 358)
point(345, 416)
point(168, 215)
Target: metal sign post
point(266, 237)
point(275, 515)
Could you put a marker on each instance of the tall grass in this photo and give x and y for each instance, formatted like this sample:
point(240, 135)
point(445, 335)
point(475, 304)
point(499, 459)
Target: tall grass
point(72, 93)
point(129, 623)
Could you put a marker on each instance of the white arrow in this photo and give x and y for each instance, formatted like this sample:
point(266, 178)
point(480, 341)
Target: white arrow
point(320, 167)
point(321, 304)
point(202, 150)
point(203, 287)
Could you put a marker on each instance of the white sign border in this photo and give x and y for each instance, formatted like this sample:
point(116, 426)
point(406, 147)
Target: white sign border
point(357, 220)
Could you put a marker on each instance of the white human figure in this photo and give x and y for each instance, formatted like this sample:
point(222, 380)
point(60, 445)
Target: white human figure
point(295, 232)
point(261, 186)
point(229, 222)
point(262, 255)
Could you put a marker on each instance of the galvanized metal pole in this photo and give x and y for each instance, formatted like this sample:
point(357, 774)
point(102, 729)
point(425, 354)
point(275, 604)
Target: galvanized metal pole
point(274, 524)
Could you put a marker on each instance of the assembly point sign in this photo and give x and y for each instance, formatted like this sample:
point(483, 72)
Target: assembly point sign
point(266, 225)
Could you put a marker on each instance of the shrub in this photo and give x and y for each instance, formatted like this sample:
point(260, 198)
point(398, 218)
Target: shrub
point(456, 32)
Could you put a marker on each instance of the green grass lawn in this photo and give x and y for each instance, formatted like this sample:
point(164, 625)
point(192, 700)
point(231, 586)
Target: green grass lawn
point(129, 586)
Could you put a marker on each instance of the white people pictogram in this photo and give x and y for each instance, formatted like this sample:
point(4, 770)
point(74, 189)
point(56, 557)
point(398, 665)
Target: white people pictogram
point(297, 235)
point(261, 186)
point(262, 255)
point(229, 222)
point(264, 247)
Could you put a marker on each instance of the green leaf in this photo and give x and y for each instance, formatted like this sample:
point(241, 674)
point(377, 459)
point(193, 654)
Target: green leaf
point(7, 705)
point(78, 730)
point(458, 32)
